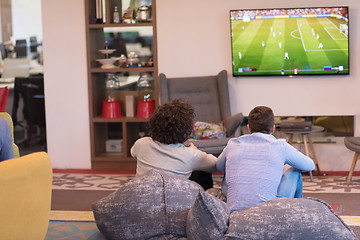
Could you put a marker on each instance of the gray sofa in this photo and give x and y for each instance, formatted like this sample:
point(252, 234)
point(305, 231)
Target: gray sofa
point(163, 206)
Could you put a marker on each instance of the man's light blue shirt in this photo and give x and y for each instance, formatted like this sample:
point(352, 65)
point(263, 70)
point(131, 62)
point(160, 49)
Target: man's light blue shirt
point(253, 166)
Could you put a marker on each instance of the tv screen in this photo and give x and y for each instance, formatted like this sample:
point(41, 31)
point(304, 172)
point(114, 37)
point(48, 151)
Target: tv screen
point(290, 41)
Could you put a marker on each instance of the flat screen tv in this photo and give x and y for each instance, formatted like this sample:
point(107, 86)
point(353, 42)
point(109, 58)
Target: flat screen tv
point(290, 41)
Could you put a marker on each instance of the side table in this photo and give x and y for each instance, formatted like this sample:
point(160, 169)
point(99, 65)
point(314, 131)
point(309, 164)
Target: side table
point(305, 136)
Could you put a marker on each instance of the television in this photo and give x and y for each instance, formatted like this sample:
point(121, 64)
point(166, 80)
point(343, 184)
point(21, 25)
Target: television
point(290, 41)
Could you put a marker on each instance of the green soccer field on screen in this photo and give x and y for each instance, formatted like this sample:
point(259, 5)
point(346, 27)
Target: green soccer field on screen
point(290, 41)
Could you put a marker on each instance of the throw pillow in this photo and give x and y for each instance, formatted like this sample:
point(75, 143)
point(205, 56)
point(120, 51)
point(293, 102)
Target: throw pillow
point(288, 218)
point(204, 130)
point(208, 218)
point(153, 205)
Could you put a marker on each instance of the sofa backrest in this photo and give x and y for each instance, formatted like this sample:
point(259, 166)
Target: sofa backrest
point(209, 95)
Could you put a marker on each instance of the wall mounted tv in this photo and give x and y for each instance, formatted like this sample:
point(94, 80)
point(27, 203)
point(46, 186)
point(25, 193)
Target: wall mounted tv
point(290, 41)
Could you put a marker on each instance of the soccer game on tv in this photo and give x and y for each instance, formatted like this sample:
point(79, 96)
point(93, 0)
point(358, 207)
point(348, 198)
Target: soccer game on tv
point(290, 41)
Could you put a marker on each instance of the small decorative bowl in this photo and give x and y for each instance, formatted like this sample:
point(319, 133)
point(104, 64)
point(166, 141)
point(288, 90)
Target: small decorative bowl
point(107, 62)
point(107, 51)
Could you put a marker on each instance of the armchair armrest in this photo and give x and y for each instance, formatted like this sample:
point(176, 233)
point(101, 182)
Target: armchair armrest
point(211, 146)
point(232, 123)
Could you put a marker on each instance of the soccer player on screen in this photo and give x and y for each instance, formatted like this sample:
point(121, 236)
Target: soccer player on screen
point(286, 55)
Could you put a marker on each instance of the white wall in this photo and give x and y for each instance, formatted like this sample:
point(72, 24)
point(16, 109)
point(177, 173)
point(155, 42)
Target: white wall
point(26, 19)
point(65, 75)
point(193, 40)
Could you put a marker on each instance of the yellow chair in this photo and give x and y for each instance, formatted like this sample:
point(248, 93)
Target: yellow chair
point(8, 117)
point(25, 202)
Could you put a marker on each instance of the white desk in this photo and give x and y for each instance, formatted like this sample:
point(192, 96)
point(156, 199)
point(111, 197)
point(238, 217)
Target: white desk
point(13, 64)
point(7, 82)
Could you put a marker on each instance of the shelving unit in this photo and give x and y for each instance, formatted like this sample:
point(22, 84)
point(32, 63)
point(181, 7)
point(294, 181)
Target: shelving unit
point(126, 128)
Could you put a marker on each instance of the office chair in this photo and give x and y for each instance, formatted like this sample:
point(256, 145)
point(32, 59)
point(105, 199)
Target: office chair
point(33, 44)
point(31, 91)
point(21, 48)
point(3, 51)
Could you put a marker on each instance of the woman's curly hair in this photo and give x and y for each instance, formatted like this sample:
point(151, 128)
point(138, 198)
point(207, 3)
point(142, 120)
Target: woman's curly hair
point(172, 122)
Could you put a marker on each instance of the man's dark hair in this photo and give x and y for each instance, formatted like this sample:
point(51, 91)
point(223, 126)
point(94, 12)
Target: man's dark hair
point(261, 119)
point(172, 122)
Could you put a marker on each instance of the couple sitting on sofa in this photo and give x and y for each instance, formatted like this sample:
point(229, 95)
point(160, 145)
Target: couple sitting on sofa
point(253, 164)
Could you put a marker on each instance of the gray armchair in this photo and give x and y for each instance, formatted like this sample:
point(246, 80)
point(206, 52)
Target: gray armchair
point(209, 95)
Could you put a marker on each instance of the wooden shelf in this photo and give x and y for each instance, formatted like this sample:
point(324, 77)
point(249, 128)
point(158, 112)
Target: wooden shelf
point(126, 128)
point(118, 69)
point(119, 120)
point(105, 25)
point(111, 157)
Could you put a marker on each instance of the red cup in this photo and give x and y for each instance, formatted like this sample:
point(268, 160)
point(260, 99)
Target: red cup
point(145, 108)
point(111, 109)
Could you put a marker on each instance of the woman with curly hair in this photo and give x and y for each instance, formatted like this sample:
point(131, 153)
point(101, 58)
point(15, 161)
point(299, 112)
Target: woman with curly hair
point(170, 126)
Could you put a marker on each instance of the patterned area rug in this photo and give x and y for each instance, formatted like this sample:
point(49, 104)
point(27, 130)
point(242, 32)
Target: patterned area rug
point(89, 181)
point(331, 184)
point(321, 184)
point(73, 231)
